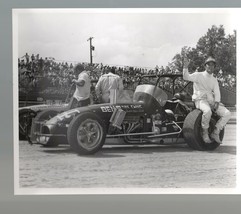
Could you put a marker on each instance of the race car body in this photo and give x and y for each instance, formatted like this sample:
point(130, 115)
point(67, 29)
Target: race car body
point(151, 115)
point(27, 113)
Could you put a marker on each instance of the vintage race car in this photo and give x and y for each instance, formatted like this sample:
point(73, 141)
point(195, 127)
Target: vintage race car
point(149, 118)
point(27, 113)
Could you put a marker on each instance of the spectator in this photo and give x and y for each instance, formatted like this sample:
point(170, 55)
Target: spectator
point(33, 58)
point(27, 58)
point(41, 64)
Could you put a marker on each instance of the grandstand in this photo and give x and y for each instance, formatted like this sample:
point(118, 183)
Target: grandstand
point(50, 80)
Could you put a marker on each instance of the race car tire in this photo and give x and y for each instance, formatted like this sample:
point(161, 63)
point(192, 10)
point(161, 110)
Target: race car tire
point(53, 141)
point(86, 134)
point(192, 131)
point(25, 121)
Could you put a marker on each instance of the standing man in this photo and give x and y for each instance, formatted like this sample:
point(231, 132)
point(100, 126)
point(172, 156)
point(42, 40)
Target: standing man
point(81, 95)
point(32, 58)
point(27, 58)
point(206, 95)
point(108, 83)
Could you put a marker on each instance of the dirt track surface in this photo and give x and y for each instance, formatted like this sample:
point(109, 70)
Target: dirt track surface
point(150, 166)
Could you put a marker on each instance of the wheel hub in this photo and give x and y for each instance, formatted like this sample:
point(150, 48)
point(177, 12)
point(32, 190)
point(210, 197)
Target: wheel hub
point(89, 133)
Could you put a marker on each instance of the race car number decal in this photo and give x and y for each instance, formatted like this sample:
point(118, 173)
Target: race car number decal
point(107, 108)
point(68, 114)
point(127, 108)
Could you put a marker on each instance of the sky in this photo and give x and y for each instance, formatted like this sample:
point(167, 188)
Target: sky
point(122, 37)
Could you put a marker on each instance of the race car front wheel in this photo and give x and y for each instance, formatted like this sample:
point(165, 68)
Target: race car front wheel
point(86, 134)
point(192, 131)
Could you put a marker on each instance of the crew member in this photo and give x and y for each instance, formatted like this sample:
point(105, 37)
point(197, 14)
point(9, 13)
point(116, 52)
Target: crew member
point(107, 85)
point(81, 95)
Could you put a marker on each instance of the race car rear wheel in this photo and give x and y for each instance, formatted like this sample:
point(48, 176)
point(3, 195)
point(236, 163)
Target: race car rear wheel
point(192, 131)
point(86, 134)
point(47, 115)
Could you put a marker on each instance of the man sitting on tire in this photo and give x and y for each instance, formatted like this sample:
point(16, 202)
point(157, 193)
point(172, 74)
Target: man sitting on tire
point(206, 96)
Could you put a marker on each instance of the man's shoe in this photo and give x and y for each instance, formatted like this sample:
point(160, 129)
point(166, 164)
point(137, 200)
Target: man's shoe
point(205, 136)
point(215, 136)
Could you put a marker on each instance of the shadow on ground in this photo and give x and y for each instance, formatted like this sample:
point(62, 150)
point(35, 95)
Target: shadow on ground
point(121, 150)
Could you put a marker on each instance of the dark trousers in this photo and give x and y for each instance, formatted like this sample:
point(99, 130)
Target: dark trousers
point(74, 103)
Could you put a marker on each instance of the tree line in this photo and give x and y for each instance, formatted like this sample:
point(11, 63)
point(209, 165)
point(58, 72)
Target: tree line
point(214, 43)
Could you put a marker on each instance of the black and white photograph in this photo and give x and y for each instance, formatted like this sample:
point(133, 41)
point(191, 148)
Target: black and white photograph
point(125, 101)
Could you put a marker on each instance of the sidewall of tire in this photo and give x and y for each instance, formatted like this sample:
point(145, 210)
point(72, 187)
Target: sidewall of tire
point(192, 131)
point(72, 133)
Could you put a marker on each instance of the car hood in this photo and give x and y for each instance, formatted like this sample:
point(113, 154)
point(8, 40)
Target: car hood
point(45, 106)
point(103, 110)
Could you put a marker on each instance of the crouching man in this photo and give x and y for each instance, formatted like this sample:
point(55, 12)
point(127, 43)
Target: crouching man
point(206, 96)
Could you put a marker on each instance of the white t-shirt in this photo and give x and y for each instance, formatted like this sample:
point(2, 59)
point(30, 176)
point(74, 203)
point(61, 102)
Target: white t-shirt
point(205, 86)
point(83, 92)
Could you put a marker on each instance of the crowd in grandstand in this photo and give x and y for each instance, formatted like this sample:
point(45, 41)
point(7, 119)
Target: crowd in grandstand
point(48, 74)
point(227, 81)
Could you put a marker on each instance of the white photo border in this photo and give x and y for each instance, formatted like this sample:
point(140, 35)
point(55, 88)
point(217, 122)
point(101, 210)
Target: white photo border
point(236, 13)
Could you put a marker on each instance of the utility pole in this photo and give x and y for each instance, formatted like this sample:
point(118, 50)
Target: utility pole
point(92, 48)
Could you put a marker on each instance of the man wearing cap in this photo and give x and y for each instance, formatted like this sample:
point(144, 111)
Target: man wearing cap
point(81, 95)
point(107, 83)
point(206, 95)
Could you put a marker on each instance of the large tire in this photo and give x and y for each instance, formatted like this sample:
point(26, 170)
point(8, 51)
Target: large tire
point(86, 134)
point(53, 141)
point(192, 131)
point(25, 121)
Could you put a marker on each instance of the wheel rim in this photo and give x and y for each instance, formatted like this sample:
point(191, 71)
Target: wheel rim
point(89, 134)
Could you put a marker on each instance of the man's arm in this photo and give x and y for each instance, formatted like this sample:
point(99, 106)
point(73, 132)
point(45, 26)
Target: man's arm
point(78, 82)
point(186, 74)
point(97, 88)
